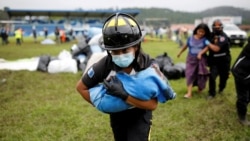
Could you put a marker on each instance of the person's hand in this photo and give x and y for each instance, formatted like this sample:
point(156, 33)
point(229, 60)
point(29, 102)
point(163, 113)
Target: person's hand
point(216, 39)
point(178, 55)
point(114, 87)
point(199, 56)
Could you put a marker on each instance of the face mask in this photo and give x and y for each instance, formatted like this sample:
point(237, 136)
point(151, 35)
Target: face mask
point(123, 60)
point(217, 31)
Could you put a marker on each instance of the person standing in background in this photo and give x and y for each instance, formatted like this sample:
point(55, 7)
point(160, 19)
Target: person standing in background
point(18, 36)
point(4, 36)
point(34, 33)
point(57, 34)
point(62, 36)
point(45, 32)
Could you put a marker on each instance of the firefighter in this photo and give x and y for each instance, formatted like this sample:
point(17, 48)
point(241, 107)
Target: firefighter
point(122, 39)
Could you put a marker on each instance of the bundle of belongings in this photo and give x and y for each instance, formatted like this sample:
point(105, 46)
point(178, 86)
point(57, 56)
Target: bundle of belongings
point(81, 52)
point(62, 63)
point(153, 86)
point(67, 61)
point(169, 69)
point(84, 50)
point(76, 59)
point(45, 63)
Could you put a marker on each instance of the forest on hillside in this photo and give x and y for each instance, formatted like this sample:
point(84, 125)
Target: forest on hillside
point(180, 16)
point(189, 17)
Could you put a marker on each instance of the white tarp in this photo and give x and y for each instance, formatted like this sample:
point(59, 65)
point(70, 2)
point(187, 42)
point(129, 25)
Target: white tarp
point(95, 57)
point(95, 39)
point(29, 64)
point(64, 63)
point(48, 42)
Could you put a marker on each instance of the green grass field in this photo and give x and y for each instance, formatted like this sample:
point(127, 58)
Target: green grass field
point(38, 106)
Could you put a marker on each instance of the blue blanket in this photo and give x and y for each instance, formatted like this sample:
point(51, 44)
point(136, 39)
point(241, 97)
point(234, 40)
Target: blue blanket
point(144, 85)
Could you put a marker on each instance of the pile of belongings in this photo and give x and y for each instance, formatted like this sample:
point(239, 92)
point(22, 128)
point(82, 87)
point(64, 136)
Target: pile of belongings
point(168, 68)
point(61, 63)
point(81, 55)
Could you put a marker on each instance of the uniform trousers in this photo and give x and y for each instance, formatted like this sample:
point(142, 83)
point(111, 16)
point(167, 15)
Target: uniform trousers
point(131, 125)
point(243, 97)
point(219, 67)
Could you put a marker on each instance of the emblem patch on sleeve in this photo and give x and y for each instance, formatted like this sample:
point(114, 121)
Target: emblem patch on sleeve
point(222, 39)
point(91, 72)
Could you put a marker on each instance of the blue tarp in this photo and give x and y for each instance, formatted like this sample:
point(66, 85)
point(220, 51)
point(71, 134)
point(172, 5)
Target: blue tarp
point(144, 85)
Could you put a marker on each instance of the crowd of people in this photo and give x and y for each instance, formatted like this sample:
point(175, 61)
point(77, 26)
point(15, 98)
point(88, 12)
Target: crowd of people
point(60, 35)
point(208, 57)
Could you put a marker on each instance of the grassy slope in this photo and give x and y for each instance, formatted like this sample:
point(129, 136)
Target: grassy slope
point(40, 106)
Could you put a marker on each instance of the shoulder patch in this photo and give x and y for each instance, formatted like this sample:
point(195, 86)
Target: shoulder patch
point(91, 72)
point(222, 39)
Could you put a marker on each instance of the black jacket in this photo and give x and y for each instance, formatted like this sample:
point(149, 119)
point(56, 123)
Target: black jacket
point(241, 67)
point(223, 55)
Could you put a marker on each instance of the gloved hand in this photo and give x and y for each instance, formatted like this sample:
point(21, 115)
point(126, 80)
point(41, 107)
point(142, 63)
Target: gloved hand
point(114, 87)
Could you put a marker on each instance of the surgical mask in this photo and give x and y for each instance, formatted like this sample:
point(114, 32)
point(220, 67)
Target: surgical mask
point(217, 31)
point(123, 60)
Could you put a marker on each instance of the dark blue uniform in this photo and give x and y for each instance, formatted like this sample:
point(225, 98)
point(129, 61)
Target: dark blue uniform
point(219, 63)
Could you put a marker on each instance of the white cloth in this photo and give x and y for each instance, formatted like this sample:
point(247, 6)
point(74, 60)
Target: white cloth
point(95, 40)
point(48, 42)
point(29, 64)
point(63, 65)
point(95, 57)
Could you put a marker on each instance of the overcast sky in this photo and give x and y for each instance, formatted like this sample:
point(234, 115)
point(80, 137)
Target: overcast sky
point(180, 5)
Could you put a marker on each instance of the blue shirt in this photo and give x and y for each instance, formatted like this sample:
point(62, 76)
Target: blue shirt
point(196, 45)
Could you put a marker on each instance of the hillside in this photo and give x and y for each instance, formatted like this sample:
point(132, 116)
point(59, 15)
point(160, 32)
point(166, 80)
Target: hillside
point(189, 17)
point(229, 11)
point(182, 17)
